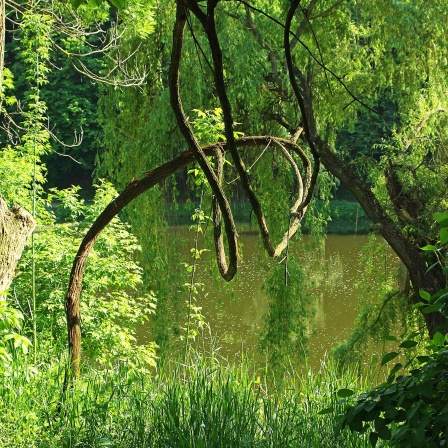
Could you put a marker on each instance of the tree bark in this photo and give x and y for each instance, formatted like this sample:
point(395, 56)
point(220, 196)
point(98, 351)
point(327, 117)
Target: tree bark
point(409, 254)
point(16, 225)
point(2, 45)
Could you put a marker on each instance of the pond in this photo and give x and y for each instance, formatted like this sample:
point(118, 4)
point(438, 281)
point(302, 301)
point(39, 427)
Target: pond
point(235, 310)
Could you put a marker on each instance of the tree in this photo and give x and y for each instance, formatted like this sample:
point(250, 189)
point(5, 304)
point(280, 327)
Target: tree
point(16, 225)
point(410, 409)
point(25, 140)
point(306, 111)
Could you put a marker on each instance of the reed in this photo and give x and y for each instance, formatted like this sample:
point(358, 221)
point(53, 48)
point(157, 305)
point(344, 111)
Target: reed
point(204, 402)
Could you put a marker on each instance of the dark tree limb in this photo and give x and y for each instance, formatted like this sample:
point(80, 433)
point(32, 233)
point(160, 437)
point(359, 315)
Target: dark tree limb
point(208, 22)
point(229, 271)
point(408, 253)
point(133, 190)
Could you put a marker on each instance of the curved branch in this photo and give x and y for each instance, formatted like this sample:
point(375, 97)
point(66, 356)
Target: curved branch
point(305, 107)
point(217, 216)
point(409, 254)
point(133, 190)
point(209, 25)
point(307, 115)
point(176, 104)
point(293, 225)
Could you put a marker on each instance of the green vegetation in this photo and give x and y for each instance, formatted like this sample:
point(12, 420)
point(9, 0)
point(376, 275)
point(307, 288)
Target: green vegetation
point(206, 401)
point(411, 407)
point(290, 117)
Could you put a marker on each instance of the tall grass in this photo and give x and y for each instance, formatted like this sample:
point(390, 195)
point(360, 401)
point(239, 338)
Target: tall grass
point(205, 402)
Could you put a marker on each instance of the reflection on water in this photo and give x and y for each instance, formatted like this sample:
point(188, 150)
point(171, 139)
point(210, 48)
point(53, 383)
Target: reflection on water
point(235, 310)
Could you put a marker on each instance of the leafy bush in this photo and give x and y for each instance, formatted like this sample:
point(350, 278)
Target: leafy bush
point(411, 410)
point(11, 340)
point(113, 303)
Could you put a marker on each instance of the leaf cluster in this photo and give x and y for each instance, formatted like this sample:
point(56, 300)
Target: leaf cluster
point(410, 409)
point(11, 339)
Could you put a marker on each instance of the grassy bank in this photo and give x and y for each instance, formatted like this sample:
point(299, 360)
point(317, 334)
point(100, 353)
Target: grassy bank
point(204, 402)
point(347, 217)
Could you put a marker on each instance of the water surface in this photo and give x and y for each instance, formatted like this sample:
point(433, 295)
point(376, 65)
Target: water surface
point(235, 310)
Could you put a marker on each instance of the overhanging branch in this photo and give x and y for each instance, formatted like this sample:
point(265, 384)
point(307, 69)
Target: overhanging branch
point(133, 190)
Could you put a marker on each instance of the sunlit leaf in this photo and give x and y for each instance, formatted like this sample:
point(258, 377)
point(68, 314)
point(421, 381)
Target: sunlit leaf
point(441, 218)
point(439, 338)
point(444, 235)
point(425, 295)
point(429, 247)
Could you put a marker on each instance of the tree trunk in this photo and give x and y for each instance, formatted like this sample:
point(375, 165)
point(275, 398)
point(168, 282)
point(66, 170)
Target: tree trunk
point(16, 225)
point(2, 45)
point(409, 254)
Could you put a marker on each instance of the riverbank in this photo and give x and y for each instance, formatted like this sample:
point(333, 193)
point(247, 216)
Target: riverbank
point(347, 217)
point(201, 401)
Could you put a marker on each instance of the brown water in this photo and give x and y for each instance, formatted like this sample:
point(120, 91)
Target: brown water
point(235, 310)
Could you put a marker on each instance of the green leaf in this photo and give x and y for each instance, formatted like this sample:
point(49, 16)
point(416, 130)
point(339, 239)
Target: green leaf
point(345, 393)
point(431, 308)
point(326, 411)
point(77, 3)
point(373, 438)
point(429, 247)
point(385, 433)
point(442, 299)
point(408, 344)
point(426, 388)
point(445, 271)
point(419, 305)
point(444, 235)
point(423, 359)
point(396, 368)
point(439, 338)
point(425, 295)
point(441, 218)
point(356, 424)
point(119, 4)
point(391, 338)
point(388, 357)
point(380, 423)
point(411, 412)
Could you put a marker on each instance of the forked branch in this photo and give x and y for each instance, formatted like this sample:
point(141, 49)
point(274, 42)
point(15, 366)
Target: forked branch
point(176, 104)
point(133, 190)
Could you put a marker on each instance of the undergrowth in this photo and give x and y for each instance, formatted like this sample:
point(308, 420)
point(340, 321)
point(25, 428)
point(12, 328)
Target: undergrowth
point(203, 402)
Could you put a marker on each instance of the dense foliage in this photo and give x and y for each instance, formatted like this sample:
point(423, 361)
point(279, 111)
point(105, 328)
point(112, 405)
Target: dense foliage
point(204, 401)
point(351, 103)
point(411, 408)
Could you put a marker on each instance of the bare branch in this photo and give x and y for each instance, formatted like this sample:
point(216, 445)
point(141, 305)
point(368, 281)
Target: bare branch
point(228, 272)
